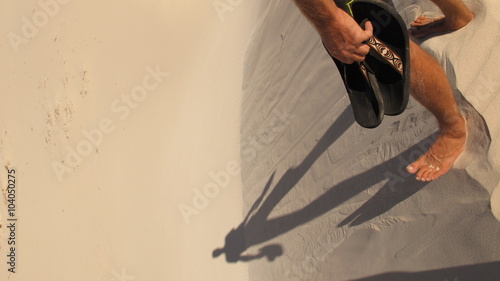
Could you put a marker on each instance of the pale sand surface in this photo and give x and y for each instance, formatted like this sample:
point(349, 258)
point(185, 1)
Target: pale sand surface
point(332, 200)
point(116, 215)
point(338, 204)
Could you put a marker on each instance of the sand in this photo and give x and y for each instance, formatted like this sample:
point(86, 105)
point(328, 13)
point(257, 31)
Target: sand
point(114, 115)
point(333, 200)
point(144, 136)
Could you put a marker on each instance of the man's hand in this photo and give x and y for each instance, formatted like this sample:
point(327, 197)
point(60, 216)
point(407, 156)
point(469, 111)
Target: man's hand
point(344, 38)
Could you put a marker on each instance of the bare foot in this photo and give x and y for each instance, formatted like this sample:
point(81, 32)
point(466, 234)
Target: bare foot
point(424, 20)
point(424, 26)
point(440, 157)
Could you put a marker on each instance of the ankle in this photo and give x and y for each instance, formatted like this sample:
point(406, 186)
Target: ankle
point(454, 126)
point(460, 20)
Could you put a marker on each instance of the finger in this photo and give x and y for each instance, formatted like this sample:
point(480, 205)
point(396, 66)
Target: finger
point(362, 50)
point(358, 54)
point(358, 59)
point(368, 32)
point(345, 59)
point(355, 57)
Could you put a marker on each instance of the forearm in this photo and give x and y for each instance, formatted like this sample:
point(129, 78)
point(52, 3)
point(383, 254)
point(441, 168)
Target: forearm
point(321, 13)
point(341, 35)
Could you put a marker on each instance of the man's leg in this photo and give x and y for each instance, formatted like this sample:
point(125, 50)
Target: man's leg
point(430, 86)
point(456, 16)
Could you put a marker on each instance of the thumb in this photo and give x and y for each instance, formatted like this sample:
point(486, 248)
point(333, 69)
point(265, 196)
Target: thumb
point(368, 29)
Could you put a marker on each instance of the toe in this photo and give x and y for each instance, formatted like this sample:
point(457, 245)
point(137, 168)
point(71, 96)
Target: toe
point(417, 165)
point(438, 173)
point(411, 169)
point(419, 21)
point(431, 175)
point(423, 174)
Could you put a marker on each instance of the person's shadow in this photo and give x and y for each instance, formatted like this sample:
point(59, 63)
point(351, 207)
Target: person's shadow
point(258, 228)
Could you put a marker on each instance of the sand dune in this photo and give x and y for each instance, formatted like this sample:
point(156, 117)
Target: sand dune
point(114, 115)
point(145, 137)
point(334, 198)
